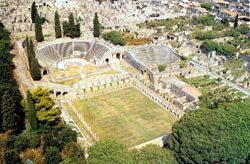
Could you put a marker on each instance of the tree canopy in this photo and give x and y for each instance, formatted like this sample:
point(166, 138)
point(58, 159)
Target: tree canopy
point(38, 29)
point(114, 152)
point(33, 12)
point(115, 37)
point(220, 135)
point(58, 29)
point(96, 26)
point(44, 105)
point(206, 5)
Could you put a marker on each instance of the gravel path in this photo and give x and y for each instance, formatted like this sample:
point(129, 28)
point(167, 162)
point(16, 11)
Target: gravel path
point(21, 74)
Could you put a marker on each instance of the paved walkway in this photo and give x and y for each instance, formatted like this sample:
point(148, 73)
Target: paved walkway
point(158, 141)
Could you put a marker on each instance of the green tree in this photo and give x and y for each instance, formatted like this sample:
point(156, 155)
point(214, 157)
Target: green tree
point(65, 28)
point(50, 141)
point(9, 112)
point(44, 105)
point(34, 140)
point(236, 24)
point(225, 21)
point(207, 20)
point(21, 143)
point(11, 157)
point(96, 26)
point(33, 63)
point(38, 29)
point(67, 135)
point(207, 5)
point(34, 67)
point(52, 155)
point(115, 37)
point(220, 135)
point(78, 30)
point(209, 45)
point(71, 26)
point(74, 152)
point(31, 111)
point(107, 152)
point(58, 29)
point(152, 154)
point(227, 49)
point(33, 12)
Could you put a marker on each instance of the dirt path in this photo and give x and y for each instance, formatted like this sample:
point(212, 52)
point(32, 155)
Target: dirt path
point(20, 72)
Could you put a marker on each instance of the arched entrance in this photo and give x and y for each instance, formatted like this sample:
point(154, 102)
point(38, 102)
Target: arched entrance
point(58, 94)
point(45, 72)
point(64, 93)
point(118, 56)
point(107, 60)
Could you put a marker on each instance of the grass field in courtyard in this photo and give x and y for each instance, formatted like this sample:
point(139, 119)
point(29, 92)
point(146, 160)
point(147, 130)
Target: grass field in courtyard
point(127, 116)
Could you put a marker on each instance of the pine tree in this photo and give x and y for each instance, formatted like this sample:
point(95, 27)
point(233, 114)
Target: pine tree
point(71, 26)
point(33, 12)
point(9, 112)
point(96, 26)
point(33, 63)
point(58, 29)
point(65, 28)
point(78, 30)
point(38, 29)
point(31, 111)
point(236, 21)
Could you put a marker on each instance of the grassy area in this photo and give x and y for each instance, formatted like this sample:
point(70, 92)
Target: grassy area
point(105, 73)
point(79, 124)
point(127, 116)
point(238, 73)
point(235, 65)
point(137, 41)
point(69, 82)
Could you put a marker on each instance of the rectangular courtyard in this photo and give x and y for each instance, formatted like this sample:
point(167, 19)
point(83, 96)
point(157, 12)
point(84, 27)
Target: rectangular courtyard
point(127, 116)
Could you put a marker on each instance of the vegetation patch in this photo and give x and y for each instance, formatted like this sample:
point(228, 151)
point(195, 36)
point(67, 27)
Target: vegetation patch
point(137, 41)
point(127, 116)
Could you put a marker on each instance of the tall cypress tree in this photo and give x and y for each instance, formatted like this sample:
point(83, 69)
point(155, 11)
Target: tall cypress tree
point(96, 26)
point(78, 30)
point(9, 112)
point(71, 26)
point(58, 29)
point(33, 12)
point(31, 111)
point(236, 21)
point(38, 29)
point(33, 63)
point(65, 28)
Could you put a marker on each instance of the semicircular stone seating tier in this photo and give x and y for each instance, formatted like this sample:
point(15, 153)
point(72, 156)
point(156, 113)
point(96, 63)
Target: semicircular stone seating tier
point(57, 51)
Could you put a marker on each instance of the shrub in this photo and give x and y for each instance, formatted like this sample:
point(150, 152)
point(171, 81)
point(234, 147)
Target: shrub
point(114, 37)
point(161, 68)
point(206, 5)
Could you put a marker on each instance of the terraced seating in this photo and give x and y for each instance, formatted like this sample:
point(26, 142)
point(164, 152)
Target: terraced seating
point(82, 46)
point(64, 49)
point(155, 55)
point(96, 50)
point(57, 51)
